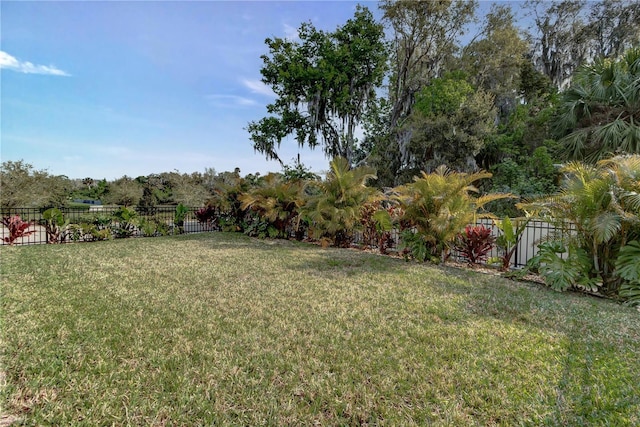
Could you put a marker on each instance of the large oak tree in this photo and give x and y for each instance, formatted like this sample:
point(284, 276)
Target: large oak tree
point(324, 84)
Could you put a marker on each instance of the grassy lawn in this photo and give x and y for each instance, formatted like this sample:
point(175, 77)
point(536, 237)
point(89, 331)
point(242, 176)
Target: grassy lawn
point(220, 329)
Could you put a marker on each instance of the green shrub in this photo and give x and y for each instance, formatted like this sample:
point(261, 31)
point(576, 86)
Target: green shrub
point(598, 211)
point(55, 225)
point(125, 222)
point(417, 246)
point(261, 228)
point(628, 268)
point(561, 274)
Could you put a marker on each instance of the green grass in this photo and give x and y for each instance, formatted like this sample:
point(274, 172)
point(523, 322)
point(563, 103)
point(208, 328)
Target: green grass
point(220, 329)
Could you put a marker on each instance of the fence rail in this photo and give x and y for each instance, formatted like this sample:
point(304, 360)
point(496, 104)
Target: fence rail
point(536, 232)
point(100, 222)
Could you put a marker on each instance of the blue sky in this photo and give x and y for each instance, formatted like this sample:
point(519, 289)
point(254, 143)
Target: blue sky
point(105, 89)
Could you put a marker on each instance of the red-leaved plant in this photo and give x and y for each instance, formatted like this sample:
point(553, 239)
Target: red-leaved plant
point(206, 216)
point(17, 228)
point(475, 243)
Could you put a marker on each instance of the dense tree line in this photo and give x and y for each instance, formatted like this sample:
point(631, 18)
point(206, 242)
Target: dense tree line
point(510, 100)
point(25, 187)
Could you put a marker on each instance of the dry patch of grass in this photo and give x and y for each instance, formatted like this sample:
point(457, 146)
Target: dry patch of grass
point(223, 329)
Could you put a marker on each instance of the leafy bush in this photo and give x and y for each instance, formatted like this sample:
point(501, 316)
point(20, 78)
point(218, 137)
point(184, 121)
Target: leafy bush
point(55, 224)
point(510, 234)
point(417, 246)
point(628, 268)
point(179, 218)
point(207, 216)
point(152, 226)
point(377, 225)
point(17, 228)
point(261, 228)
point(561, 274)
point(91, 228)
point(475, 243)
point(383, 221)
point(125, 222)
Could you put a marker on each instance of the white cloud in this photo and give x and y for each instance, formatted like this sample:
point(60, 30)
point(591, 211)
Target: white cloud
point(256, 86)
point(230, 101)
point(291, 33)
point(9, 62)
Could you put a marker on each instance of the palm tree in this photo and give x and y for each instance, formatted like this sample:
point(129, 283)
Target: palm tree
point(335, 210)
point(600, 113)
point(439, 205)
point(277, 201)
point(602, 203)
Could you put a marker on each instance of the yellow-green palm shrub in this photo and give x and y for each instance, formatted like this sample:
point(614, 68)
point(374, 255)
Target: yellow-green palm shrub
point(437, 207)
point(277, 201)
point(335, 208)
point(602, 203)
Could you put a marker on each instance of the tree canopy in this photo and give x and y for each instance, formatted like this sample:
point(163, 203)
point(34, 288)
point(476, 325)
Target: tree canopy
point(22, 186)
point(324, 83)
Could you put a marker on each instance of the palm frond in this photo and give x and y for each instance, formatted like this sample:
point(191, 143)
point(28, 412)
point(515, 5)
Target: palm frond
point(605, 226)
point(575, 143)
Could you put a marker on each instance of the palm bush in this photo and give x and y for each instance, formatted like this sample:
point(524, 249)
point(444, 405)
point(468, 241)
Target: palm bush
point(602, 203)
point(600, 113)
point(335, 210)
point(277, 201)
point(438, 206)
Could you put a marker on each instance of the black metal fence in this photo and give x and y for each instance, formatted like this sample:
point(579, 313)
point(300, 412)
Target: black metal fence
point(106, 222)
point(66, 225)
point(535, 233)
